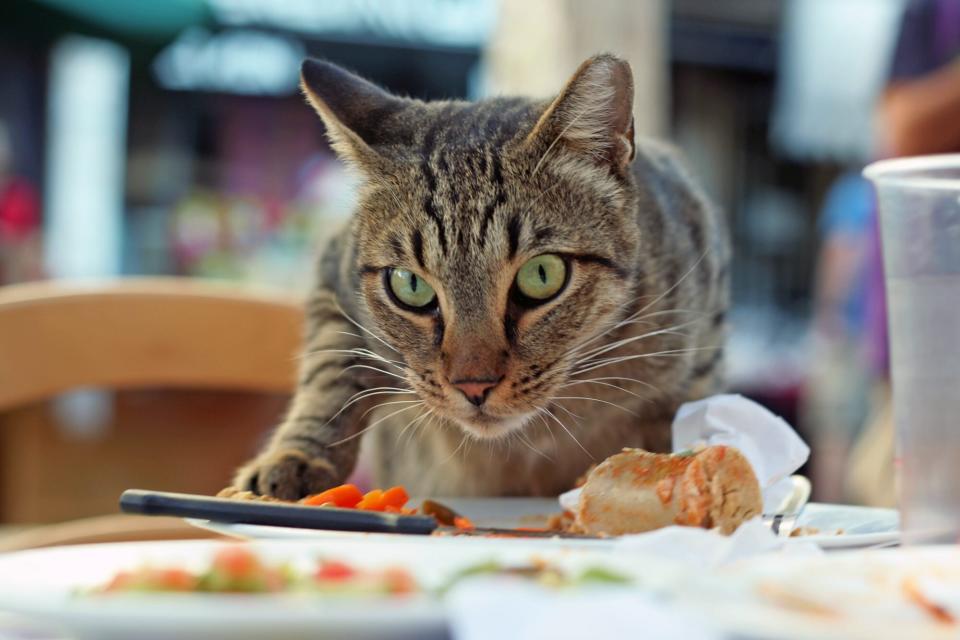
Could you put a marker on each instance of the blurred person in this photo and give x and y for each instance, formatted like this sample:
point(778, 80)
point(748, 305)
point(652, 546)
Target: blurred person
point(834, 402)
point(20, 251)
point(919, 114)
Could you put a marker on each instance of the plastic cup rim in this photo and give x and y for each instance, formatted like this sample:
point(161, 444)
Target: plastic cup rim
point(897, 172)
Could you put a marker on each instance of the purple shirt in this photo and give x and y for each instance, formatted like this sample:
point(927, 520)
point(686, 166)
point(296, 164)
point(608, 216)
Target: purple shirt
point(929, 38)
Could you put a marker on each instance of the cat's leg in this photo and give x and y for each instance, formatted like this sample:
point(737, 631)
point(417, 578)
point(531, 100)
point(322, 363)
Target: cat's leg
point(316, 445)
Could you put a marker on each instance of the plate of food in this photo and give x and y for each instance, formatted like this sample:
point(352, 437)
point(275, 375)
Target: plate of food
point(282, 588)
point(911, 592)
point(631, 492)
point(829, 526)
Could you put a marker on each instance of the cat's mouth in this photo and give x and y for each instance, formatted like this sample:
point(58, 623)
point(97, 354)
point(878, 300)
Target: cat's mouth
point(483, 424)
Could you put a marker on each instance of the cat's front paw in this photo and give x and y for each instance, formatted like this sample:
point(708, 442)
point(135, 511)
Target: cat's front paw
point(287, 474)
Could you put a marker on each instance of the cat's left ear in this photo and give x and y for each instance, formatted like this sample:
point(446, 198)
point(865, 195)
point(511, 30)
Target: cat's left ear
point(593, 115)
point(352, 109)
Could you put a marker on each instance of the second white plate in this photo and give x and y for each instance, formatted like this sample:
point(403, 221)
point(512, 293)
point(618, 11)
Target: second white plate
point(860, 526)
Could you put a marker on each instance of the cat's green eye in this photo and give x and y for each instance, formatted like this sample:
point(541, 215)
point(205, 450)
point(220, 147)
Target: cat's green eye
point(410, 289)
point(542, 277)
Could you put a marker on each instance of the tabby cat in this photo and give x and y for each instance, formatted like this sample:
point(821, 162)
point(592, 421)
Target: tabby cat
point(522, 291)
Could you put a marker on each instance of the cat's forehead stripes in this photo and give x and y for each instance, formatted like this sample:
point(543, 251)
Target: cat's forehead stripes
point(430, 177)
point(462, 169)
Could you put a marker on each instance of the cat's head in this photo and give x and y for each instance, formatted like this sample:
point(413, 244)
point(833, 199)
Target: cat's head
point(493, 239)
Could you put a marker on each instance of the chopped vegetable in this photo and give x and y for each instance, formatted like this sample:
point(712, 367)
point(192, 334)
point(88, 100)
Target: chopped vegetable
point(601, 575)
point(236, 569)
point(395, 497)
point(346, 496)
point(372, 501)
point(543, 573)
point(333, 570)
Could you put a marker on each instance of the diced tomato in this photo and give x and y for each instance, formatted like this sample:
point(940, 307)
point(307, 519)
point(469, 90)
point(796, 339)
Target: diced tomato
point(398, 581)
point(121, 581)
point(235, 561)
point(333, 570)
point(346, 496)
point(176, 580)
point(395, 497)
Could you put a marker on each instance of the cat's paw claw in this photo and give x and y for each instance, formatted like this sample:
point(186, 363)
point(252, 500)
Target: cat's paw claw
point(287, 474)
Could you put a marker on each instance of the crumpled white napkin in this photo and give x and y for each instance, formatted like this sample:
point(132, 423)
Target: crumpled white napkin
point(703, 550)
point(772, 447)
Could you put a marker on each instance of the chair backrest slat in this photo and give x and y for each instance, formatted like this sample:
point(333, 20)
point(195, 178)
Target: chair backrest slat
point(150, 332)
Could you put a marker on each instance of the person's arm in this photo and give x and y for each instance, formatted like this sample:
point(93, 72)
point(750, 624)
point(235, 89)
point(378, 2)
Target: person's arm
point(922, 116)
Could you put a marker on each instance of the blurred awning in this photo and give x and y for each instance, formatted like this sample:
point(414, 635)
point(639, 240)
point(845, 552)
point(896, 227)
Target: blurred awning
point(149, 24)
point(158, 20)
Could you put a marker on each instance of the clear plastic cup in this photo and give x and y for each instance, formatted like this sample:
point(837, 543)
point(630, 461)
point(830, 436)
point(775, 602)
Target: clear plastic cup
point(919, 201)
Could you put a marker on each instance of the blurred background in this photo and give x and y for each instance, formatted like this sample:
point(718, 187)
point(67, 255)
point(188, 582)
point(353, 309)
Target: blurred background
point(169, 138)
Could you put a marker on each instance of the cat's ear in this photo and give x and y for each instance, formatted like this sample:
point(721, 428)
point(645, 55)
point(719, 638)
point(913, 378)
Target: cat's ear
point(593, 115)
point(352, 109)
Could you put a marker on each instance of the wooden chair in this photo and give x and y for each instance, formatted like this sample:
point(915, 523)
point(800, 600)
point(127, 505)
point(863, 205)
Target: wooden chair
point(135, 334)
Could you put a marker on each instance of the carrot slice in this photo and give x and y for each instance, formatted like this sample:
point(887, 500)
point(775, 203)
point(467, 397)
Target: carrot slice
point(395, 497)
point(463, 523)
point(372, 501)
point(345, 496)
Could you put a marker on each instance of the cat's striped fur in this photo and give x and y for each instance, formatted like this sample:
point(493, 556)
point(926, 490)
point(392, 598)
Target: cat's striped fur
point(462, 194)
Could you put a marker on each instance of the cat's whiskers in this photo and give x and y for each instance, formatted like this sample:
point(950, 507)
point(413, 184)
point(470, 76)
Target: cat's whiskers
point(584, 357)
point(592, 399)
point(574, 381)
point(358, 352)
point(367, 393)
point(531, 446)
point(387, 404)
point(605, 384)
point(656, 354)
point(419, 418)
point(676, 284)
point(374, 424)
point(632, 320)
point(564, 427)
point(367, 331)
point(546, 425)
point(454, 452)
point(570, 413)
point(366, 366)
point(638, 314)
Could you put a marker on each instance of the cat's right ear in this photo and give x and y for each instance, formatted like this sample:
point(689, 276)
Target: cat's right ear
point(592, 116)
point(351, 108)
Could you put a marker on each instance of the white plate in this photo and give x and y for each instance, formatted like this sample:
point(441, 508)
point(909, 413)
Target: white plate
point(846, 595)
point(43, 585)
point(862, 526)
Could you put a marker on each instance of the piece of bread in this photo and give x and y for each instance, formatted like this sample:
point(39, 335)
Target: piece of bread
point(635, 491)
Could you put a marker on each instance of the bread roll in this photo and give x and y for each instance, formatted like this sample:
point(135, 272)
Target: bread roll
point(636, 491)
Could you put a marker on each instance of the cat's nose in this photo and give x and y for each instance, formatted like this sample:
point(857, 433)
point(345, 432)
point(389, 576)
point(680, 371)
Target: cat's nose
point(476, 389)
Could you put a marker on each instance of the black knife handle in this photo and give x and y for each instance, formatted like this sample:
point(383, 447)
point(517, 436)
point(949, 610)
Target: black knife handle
point(159, 503)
